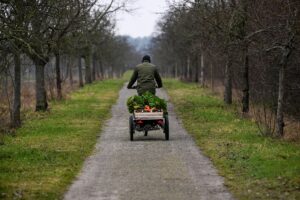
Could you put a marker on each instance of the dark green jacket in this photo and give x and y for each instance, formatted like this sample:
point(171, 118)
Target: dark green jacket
point(147, 76)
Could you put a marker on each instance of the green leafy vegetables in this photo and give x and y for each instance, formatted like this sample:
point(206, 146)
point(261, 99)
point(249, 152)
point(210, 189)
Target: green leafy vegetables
point(145, 101)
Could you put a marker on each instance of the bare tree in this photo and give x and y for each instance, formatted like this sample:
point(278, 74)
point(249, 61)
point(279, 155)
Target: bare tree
point(248, 44)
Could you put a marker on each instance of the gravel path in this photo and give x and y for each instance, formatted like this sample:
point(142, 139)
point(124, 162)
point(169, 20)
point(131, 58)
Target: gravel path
point(148, 168)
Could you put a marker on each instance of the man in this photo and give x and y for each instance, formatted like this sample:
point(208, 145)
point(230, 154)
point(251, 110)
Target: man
point(147, 77)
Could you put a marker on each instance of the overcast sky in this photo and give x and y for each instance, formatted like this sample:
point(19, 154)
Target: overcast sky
point(141, 22)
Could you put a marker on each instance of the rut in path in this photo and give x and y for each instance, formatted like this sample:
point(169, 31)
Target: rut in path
point(148, 168)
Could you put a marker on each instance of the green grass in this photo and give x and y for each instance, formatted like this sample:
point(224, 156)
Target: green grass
point(254, 167)
point(49, 150)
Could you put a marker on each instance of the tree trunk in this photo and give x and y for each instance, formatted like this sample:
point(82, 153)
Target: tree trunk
point(188, 68)
point(80, 72)
point(279, 116)
point(70, 64)
point(88, 74)
point(112, 72)
point(228, 82)
point(58, 76)
point(197, 69)
point(16, 118)
point(183, 69)
point(101, 69)
point(41, 95)
point(98, 70)
point(281, 91)
point(212, 77)
point(176, 70)
point(245, 99)
point(50, 86)
point(94, 68)
point(202, 70)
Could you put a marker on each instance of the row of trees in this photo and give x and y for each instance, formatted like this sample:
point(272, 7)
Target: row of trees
point(251, 47)
point(44, 30)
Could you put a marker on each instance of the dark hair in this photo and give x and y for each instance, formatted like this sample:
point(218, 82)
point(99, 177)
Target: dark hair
point(146, 58)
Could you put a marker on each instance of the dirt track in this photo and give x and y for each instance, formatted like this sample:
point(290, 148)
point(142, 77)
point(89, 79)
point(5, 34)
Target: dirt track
point(149, 168)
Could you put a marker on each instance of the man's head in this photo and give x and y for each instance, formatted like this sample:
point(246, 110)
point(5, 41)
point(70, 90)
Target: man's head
point(146, 58)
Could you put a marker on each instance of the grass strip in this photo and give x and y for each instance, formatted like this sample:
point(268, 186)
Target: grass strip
point(254, 167)
point(49, 150)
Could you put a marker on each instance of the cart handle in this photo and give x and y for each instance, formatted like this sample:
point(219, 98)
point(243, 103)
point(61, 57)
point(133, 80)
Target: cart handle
point(135, 87)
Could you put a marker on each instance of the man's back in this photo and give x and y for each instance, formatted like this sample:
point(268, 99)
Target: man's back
point(146, 73)
point(147, 77)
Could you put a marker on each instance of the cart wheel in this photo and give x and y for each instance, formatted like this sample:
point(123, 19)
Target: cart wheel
point(131, 127)
point(166, 127)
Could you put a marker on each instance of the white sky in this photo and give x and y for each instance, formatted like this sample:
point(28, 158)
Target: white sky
point(140, 22)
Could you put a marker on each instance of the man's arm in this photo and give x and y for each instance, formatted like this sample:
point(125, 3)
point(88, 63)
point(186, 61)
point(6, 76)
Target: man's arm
point(158, 79)
point(133, 79)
